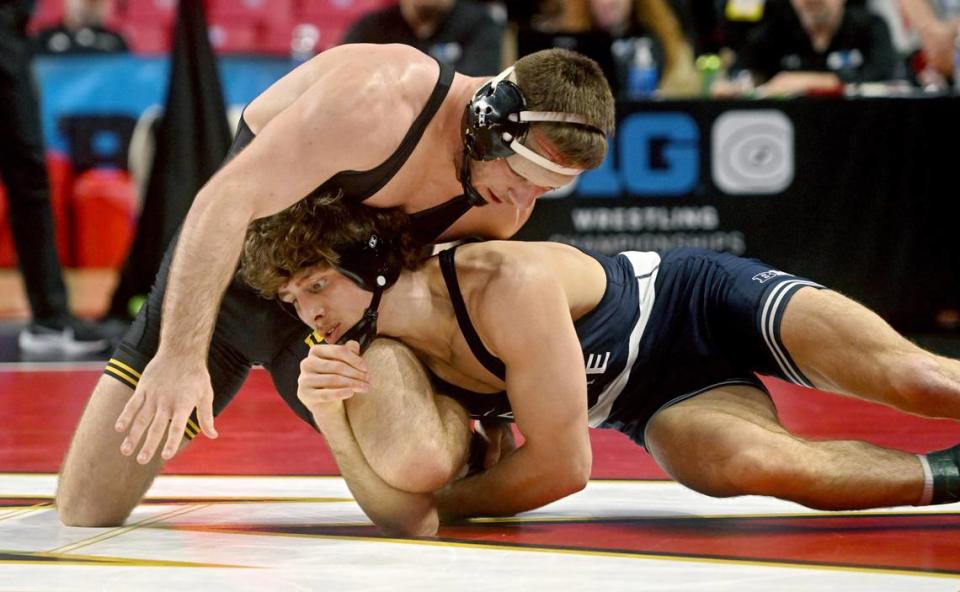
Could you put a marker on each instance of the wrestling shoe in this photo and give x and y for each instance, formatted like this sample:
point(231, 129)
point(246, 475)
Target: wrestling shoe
point(69, 336)
point(945, 466)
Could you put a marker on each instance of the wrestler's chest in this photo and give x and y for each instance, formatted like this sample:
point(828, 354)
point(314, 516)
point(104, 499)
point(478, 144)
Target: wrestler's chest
point(460, 367)
point(421, 182)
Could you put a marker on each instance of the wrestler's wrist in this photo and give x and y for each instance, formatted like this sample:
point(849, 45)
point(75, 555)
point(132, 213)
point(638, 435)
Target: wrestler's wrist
point(185, 357)
point(326, 412)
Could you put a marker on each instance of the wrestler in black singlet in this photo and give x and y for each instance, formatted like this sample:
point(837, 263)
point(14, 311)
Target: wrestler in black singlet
point(251, 330)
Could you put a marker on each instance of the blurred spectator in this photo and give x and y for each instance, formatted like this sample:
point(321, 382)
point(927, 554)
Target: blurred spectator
point(83, 30)
point(22, 167)
point(626, 21)
point(458, 32)
point(937, 22)
point(816, 47)
point(720, 26)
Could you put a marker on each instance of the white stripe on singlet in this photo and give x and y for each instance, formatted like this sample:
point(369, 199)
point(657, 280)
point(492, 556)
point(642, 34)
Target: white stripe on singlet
point(768, 316)
point(645, 267)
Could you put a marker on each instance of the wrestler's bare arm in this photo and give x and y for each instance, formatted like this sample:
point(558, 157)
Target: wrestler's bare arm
point(395, 512)
point(296, 151)
point(524, 317)
point(328, 376)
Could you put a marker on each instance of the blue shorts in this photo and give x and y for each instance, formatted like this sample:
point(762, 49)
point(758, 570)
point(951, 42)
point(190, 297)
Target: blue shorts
point(714, 320)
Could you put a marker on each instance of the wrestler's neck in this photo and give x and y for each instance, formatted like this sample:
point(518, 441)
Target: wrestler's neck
point(406, 308)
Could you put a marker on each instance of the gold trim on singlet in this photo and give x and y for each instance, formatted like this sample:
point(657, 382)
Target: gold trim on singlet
point(131, 378)
point(126, 374)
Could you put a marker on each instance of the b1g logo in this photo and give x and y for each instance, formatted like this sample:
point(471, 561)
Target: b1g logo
point(752, 152)
point(762, 278)
point(656, 154)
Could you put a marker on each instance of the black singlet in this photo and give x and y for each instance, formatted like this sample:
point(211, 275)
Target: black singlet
point(361, 185)
point(492, 363)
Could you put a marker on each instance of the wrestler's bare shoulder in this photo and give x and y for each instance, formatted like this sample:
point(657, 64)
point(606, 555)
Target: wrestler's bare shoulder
point(510, 256)
point(354, 86)
point(506, 265)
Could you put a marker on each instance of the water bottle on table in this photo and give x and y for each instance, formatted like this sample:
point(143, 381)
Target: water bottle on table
point(642, 76)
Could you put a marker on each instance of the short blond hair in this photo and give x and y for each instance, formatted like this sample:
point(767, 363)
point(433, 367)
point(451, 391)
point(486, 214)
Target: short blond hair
point(568, 82)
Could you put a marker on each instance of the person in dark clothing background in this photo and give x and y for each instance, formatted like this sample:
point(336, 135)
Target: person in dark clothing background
point(817, 46)
point(82, 30)
point(23, 170)
point(462, 33)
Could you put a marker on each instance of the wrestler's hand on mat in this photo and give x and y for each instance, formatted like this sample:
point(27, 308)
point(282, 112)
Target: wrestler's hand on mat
point(331, 372)
point(166, 395)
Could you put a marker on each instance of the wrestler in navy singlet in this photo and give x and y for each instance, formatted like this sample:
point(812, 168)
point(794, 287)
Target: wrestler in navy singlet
point(251, 330)
point(669, 326)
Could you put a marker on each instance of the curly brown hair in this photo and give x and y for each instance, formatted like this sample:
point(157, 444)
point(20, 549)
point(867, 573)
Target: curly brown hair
point(312, 232)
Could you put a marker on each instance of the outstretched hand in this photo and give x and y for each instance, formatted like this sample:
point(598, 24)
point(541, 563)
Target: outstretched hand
point(166, 395)
point(331, 372)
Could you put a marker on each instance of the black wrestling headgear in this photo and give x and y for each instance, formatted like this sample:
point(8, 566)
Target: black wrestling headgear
point(487, 117)
point(370, 266)
point(495, 122)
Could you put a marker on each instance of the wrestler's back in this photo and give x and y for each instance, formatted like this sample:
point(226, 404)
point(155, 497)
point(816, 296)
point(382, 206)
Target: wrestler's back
point(354, 71)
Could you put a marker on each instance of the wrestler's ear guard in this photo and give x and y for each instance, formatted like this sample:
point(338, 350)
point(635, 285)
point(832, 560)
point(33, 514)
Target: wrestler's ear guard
point(369, 265)
point(496, 121)
point(487, 117)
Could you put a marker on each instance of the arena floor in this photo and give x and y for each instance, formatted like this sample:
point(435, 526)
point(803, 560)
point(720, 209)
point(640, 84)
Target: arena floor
point(262, 508)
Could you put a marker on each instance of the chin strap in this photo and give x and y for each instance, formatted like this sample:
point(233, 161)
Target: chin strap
point(473, 196)
point(365, 330)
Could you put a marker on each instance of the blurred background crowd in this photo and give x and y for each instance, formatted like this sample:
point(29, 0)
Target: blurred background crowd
point(75, 177)
point(693, 48)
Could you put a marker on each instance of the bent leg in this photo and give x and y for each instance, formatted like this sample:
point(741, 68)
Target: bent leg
point(98, 486)
point(414, 440)
point(842, 346)
point(729, 441)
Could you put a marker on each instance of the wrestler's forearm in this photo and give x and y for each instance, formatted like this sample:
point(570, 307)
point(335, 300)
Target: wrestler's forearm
point(396, 512)
point(203, 265)
point(525, 480)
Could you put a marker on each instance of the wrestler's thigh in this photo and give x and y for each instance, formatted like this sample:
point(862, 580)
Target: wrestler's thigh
point(842, 346)
point(702, 442)
point(398, 411)
point(98, 486)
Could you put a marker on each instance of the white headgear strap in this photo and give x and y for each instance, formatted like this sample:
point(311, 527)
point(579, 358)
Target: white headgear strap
point(529, 116)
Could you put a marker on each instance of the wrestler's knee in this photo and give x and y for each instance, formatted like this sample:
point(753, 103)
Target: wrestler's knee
point(421, 467)
point(743, 470)
point(389, 353)
point(753, 471)
point(97, 485)
point(77, 509)
point(923, 383)
point(402, 403)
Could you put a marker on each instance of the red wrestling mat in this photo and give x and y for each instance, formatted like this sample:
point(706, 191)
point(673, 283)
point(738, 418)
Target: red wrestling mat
point(902, 542)
point(260, 436)
point(911, 541)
